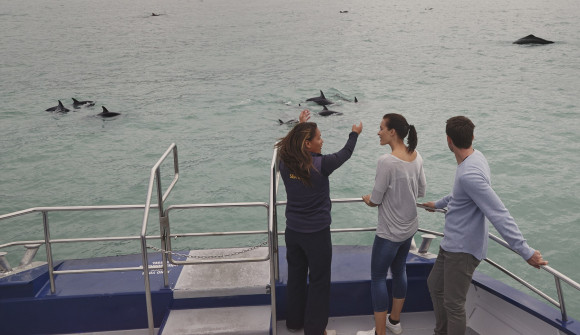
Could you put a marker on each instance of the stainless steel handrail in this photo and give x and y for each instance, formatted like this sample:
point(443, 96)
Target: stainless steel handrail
point(48, 241)
point(161, 197)
point(216, 205)
point(273, 238)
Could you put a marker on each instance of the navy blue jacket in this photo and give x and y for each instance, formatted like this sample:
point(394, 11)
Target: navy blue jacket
point(308, 207)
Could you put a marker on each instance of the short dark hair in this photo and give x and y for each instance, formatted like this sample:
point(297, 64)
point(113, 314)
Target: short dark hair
point(460, 130)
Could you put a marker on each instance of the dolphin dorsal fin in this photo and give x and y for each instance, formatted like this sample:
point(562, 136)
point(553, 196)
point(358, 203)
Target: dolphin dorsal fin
point(75, 100)
point(355, 99)
point(60, 104)
point(322, 94)
point(105, 110)
point(324, 108)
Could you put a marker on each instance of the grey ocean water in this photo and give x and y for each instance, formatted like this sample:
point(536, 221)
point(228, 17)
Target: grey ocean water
point(214, 77)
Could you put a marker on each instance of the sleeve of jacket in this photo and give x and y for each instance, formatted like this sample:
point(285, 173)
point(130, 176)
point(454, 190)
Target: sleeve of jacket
point(333, 161)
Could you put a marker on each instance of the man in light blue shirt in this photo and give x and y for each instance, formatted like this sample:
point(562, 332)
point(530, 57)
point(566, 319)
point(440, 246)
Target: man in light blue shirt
point(464, 245)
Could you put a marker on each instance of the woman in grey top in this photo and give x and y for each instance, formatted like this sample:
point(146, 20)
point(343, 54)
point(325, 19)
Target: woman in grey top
point(400, 180)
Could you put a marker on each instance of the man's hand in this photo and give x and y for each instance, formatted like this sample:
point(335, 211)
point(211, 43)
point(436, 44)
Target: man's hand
point(536, 260)
point(429, 204)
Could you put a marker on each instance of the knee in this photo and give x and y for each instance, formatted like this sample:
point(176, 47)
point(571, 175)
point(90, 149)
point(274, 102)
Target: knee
point(454, 307)
point(433, 287)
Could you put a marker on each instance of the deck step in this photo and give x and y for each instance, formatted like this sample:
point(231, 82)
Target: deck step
point(226, 279)
point(245, 320)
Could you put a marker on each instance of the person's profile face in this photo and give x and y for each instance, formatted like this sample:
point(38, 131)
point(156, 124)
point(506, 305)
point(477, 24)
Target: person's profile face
point(384, 133)
point(315, 144)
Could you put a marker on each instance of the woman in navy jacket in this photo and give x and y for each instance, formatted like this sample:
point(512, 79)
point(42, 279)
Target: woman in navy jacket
point(305, 172)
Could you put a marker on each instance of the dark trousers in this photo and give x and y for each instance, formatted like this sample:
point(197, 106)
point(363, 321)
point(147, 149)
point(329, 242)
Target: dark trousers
point(449, 283)
point(308, 255)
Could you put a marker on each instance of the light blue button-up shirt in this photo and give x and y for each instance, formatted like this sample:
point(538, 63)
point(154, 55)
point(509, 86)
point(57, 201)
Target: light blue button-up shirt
point(471, 201)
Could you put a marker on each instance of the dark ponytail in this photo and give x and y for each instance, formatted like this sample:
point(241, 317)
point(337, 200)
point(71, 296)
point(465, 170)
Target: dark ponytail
point(412, 139)
point(402, 128)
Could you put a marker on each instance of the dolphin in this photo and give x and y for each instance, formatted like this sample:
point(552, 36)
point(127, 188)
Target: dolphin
point(531, 39)
point(79, 104)
point(58, 109)
point(106, 113)
point(321, 100)
point(327, 112)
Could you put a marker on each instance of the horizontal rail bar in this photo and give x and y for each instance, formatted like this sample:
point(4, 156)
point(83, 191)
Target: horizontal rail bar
point(523, 282)
point(75, 240)
point(547, 268)
point(134, 268)
point(226, 233)
point(71, 209)
point(218, 205)
point(225, 260)
point(436, 233)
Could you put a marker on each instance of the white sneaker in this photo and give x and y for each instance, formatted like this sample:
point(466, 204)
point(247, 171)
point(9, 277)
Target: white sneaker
point(330, 332)
point(396, 329)
point(368, 332)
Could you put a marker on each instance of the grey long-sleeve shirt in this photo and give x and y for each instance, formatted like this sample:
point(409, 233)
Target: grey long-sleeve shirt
point(398, 184)
point(470, 202)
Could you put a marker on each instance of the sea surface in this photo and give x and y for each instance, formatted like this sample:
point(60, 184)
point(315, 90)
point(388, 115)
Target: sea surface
point(216, 76)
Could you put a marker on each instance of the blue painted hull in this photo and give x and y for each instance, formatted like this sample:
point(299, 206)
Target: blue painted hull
point(97, 302)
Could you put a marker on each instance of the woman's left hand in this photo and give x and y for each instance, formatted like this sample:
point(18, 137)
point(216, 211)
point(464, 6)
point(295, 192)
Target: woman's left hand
point(367, 200)
point(304, 116)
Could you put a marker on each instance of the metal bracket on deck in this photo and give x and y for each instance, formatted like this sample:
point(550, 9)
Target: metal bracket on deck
point(4, 264)
point(31, 250)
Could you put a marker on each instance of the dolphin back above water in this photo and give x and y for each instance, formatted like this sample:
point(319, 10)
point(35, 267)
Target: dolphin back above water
point(106, 113)
point(531, 39)
point(326, 112)
point(58, 109)
point(79, 104)
point(321, 100)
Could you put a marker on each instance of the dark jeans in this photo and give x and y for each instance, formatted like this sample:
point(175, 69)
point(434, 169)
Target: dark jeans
point(448, 283)
point(308, 255)
point(387, 254)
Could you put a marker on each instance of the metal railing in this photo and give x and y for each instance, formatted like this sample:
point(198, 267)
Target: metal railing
point(48, 241)
point(155, 178)
point(272, 232)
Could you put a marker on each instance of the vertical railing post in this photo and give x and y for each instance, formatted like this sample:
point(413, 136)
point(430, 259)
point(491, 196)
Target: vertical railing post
point(148, 301)
point(48, 251)
point(162, 226)
point(561, 299)
point(273, 245)
point(165, 233)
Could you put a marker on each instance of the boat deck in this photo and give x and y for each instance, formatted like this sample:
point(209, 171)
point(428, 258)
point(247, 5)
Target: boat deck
point(233, 298)
point(417, 323)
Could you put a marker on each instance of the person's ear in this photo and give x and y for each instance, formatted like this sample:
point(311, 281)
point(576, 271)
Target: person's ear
point(449, 142)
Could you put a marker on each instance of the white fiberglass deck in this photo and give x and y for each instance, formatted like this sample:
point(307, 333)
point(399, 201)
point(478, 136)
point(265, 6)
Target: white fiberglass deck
point(418, 323)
